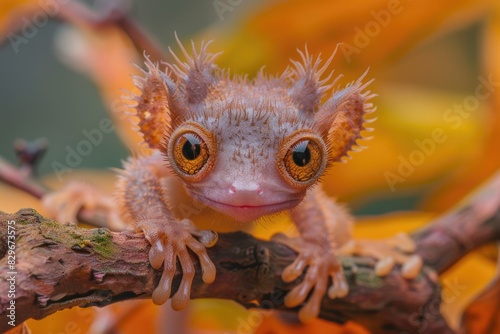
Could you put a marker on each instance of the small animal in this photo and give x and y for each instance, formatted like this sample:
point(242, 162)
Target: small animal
point(243, 150)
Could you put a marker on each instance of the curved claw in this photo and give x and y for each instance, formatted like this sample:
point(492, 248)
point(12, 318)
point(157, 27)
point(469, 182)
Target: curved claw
point(388, 253)
point(207, 266)
point(311, 309)
point(208, 238)
point(339, 288)
point(404, 242)
point(298, 294)
point(293, 271)
point(321, 266)
point(183, 294)
point(158, 256)
point(412, 267)
point(384, 266)
point(156, 253)
point(166, 249)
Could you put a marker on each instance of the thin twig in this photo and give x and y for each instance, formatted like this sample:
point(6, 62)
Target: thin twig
point(17, 178)
point(114, 13)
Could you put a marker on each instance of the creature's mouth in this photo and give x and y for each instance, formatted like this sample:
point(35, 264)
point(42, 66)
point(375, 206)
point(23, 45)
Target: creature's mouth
point(247, 212)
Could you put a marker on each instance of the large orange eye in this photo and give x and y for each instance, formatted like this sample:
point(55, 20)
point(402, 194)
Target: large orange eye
point(304, 160)
point(190, 153)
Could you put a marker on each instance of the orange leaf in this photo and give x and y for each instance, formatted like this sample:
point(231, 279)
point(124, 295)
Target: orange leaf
point(483, 314)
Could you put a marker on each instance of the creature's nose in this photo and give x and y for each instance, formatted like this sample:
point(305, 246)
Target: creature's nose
point(245, 188)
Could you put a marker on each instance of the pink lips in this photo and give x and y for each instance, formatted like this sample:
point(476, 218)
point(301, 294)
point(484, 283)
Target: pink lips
point(248, 212)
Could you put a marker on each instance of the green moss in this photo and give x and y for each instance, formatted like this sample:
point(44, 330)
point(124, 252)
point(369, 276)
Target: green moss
point(97, 241)
point(51, 223)
point(68, 235)
point(101, 242)
point(60, 233)
point(76, 235)
point(368, 278)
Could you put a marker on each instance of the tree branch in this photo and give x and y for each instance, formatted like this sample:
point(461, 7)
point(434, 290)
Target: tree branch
point(474, 223)
point(60, 266)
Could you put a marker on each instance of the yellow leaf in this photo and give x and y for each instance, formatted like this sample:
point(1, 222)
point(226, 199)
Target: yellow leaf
point(372, 32)
point(488, 160)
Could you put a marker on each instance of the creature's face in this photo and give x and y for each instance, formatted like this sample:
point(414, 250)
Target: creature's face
point(249, 154)
point(247, 148)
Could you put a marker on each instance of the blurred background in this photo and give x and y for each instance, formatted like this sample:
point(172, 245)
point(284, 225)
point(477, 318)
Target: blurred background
point(437, 75)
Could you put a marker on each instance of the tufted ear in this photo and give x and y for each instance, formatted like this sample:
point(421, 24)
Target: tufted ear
point(168, 97)
point(154, 104)
point(341, 118)
point(196, 75)
point(308, 86)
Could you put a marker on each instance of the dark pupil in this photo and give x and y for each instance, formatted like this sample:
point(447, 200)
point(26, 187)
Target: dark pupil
point(191, 148)
point(301, 154)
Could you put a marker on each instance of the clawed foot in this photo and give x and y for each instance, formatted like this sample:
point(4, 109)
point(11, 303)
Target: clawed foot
point(322, 264)
point(65, 204)
point(388, 252)
point(170, 241)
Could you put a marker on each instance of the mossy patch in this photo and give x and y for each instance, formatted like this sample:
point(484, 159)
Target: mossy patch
point(102, 243)
point(61, 233)
point(98, 240)
point(368, 278)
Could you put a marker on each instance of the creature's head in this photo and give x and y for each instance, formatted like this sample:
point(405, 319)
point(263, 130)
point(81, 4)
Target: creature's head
point(248, 148)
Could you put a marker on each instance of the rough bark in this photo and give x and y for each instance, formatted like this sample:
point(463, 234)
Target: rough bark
point(60, 266)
